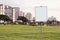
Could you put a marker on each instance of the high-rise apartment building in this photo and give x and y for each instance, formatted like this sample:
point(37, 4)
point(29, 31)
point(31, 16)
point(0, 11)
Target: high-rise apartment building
point(2, 9)
point(16, 11)
point(9, 11)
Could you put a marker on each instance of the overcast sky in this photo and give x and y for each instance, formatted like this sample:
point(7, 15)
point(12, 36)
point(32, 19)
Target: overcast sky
point(28, 6)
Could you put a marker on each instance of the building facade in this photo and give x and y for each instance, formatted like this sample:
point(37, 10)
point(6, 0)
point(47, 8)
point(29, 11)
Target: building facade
point(16, 11)
point(2, 9)
point(9, 11)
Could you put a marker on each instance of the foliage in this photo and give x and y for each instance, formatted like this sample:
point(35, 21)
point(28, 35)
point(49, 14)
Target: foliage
point(4, 17)
point(51, 21)
point(23, 19)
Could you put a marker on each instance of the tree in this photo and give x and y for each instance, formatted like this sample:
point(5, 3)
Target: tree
point(5, 18)
point(25, 20)
point(51, 21)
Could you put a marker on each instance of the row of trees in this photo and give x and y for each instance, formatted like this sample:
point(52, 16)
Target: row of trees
point(22, 20)
point(6, 18)
point(52, 21)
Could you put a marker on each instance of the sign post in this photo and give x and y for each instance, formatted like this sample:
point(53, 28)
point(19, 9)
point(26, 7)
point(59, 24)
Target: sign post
point(41, 15)
point(40, 28)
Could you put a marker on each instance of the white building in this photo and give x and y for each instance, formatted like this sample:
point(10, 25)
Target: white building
point(16, 11)
point(9, 11)
point(2, 9)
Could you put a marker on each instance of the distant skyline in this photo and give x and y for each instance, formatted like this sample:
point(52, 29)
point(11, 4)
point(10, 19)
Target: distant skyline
point(28, 6)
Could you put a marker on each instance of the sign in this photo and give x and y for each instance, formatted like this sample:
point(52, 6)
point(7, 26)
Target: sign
point(41, 13)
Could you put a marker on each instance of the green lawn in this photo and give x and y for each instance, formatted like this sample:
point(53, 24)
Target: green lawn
point(25, 32)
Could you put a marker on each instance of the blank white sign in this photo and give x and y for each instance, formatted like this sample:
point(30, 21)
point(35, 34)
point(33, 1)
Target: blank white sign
point(41, 13)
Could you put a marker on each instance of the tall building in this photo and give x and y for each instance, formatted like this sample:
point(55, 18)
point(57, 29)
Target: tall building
point(2, 9)
point(11, 12)
point(16, 11)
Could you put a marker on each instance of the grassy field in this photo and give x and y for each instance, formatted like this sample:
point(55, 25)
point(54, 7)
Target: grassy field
point(25, 32)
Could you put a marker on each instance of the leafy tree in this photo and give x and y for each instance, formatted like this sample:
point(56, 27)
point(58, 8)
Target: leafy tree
point(25, 20)
point(5, 18)
point(51, 21)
